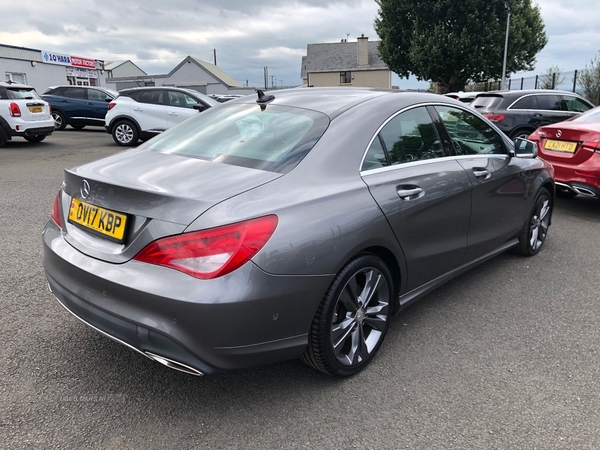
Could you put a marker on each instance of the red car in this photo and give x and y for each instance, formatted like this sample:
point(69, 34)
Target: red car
point(573, 148)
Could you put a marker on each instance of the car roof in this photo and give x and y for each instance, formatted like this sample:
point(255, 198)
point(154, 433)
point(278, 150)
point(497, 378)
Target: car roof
point(521, 92)
point(15, 85)
point(332, 101)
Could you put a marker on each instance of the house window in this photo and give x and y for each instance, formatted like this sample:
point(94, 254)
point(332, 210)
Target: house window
point(345, 77)
point(15, 77)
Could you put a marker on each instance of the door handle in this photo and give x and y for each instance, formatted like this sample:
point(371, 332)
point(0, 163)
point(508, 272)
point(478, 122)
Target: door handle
point(410, 192)
point(172, 113)
point(481, 173)
point(537, 115)
point(137, 109)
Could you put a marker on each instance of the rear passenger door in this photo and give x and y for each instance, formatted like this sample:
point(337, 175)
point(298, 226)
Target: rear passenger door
point(547, 109)
point(75, 106)
point(423, 192)
point(499, 195)
point(151, 110)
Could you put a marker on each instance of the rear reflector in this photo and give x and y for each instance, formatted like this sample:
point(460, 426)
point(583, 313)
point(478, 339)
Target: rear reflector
point(56, 210)
point(211, 253)
point(111, 105)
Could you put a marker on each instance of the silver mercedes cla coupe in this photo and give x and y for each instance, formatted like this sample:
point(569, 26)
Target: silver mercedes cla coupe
point(291, 224)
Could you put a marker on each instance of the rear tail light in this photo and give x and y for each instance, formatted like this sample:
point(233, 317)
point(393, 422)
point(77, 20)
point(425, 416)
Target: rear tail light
point(49, 108)
point(15, 111)
point(211, 253)
point(591, 145)
point(494, 117)
point(56, 210)
point(111, 105)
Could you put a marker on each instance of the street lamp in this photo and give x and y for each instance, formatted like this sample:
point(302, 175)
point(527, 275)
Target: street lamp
point(507, 6)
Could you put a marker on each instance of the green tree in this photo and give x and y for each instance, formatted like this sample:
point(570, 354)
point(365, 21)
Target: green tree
point(552, 78)
point(456, 41)
point(589, 80)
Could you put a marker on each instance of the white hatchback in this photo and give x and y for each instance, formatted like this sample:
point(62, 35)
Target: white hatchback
point(23, 113)
point(141, 113)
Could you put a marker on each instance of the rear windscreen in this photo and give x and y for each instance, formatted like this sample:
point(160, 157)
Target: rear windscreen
point(487, 101)
point(266, 137)
point(21, 93)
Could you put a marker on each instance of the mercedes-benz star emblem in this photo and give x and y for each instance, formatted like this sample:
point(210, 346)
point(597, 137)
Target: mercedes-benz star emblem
point(85, 189)
point(559, 133)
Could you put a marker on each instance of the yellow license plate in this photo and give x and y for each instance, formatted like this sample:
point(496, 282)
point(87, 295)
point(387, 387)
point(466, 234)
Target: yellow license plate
point(560, 146)
point(104, 221)
point(35, 109)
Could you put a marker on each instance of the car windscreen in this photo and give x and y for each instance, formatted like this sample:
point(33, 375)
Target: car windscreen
point(265, 137)
point(487, 101)
point(21, 93)
point(593, 115)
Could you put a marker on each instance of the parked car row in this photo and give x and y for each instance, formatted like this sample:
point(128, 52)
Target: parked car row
point(144, 112)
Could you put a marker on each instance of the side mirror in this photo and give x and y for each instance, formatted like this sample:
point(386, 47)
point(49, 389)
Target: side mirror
point(524, 148)
point(200, 107)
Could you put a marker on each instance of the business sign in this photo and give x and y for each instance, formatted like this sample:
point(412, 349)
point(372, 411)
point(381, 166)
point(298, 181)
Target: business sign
point(56, 58)
point(76, 61)
point(68, 60)
point(81, 73)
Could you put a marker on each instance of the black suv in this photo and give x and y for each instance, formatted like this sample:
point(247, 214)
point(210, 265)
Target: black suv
point(78, 106)
point(520, 113)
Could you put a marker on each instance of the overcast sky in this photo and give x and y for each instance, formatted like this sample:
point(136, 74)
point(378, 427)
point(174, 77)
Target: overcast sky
point(247, 35)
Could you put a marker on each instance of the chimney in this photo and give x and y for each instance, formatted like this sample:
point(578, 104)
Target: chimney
point(363, 50)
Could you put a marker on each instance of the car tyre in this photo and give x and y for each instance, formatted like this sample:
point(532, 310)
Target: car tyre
point(3, 139)
point(125, 133)
point(78, 127)
point(352, 319)
point(38, 138)
point(535, 230)
point(59, 120)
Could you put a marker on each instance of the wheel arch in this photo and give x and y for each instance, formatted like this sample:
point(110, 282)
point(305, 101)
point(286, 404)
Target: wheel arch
point(121, 118)
point(390, 260)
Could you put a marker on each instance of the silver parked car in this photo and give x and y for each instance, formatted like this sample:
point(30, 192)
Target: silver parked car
point(292, 225)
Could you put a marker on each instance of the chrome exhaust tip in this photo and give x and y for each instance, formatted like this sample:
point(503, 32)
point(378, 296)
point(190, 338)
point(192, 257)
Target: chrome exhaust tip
point(173, 364)
point(583, 191)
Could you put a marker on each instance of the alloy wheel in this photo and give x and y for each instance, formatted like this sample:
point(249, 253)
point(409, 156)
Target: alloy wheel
point(360, 316)
point(540, 222)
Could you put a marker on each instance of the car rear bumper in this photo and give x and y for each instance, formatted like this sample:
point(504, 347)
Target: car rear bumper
point(582, 178)
point(243, 319)
point(29, 131)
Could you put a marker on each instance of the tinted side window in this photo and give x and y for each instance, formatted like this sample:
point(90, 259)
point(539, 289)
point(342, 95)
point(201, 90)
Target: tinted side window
point(95, 95)
point(575, 104)
point(470, 134)
point(411, 136)
point(152, 97)
point(548, 102)
point(78, 93)
point(181, 100)
point(522, 103)
point(56, 91)
point(375, 157)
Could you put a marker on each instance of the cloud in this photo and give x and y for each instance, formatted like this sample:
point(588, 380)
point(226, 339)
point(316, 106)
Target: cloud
point(157, 35)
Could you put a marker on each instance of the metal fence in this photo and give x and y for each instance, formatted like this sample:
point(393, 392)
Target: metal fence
point(564, 81)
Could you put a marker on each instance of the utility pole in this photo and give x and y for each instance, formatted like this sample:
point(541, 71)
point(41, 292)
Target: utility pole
point(507, 6)
point(215, 55)
point(271, 80)
point(266, 77)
